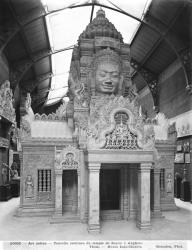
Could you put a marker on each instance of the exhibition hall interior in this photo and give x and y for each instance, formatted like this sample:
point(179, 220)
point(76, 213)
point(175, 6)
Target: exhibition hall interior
point(95, 120)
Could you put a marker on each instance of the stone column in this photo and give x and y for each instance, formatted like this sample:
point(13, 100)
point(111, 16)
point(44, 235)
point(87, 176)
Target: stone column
point(122, 174)
point(126, 194)
point(78, 191)
point(58, 192)
point(94, 207)
point(83, 189)
point(22, 180)
point(143, 213)
point(132, 191)
point(156, 205)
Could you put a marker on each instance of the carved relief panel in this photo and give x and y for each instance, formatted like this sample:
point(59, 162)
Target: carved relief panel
point(166, 164)
point(68, 158)
point(29, 187)
point(38, 176)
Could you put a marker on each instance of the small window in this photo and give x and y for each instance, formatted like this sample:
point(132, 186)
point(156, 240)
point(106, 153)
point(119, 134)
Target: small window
point(44, 180)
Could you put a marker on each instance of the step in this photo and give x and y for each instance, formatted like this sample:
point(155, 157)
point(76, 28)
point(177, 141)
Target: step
point(64, 219)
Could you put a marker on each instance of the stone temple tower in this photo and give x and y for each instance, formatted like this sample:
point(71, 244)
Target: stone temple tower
point(98, 36)
point(100, 48)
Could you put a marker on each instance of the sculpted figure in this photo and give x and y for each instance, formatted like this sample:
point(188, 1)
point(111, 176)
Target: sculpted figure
point(14, 171)
point(29, 186)
point(169, 183)
point(70, 160)
point(108, 77)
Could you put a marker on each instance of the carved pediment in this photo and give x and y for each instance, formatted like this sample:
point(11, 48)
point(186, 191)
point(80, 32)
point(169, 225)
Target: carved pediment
point(68, 158)
point(115, 123)
point(6, 102)
point(121, 137)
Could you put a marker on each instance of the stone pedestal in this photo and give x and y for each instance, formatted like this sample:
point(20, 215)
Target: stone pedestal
point(157, 206)
point(143, 213)
point(94, 208)
point(58, 192)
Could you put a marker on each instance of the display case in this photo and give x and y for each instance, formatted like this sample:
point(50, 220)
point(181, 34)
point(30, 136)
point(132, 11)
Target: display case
point(183, 172)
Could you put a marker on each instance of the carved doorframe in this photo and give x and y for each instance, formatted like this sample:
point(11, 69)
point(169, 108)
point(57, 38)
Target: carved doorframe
point(66, 159)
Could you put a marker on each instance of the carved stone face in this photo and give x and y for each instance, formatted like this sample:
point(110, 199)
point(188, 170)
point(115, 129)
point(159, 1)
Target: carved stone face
point(70, 157)
point(107, 77)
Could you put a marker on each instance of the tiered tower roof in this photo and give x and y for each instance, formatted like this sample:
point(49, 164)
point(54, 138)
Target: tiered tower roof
point(101, 26)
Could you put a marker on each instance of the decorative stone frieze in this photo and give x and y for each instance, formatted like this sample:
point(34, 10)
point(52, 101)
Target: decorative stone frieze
point(59, 115)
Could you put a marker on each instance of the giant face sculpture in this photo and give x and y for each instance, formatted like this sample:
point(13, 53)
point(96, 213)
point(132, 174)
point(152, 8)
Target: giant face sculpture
point(107, 77)
point(107, 70)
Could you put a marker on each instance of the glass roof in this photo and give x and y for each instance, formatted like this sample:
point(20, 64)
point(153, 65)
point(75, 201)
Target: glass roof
point(67, 19)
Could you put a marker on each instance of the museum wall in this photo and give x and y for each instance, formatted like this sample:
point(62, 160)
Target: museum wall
point(174, 99)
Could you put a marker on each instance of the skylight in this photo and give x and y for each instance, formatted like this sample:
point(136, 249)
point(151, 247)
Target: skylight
point(67, 19)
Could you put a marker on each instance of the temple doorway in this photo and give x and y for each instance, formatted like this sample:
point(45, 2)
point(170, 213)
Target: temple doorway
point(110, 189)
point(69, 192)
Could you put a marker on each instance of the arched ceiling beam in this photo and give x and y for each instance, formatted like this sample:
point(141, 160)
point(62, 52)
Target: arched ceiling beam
point(148, 24)
point(42, 13)
point(95, 3)
point(176, 41)
point(25, 42)
point(166, 33)
point(39, 102)
point(30, 85)
point(26, 21)
point(23, 66)
point(151, 80)
point(92, 10)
